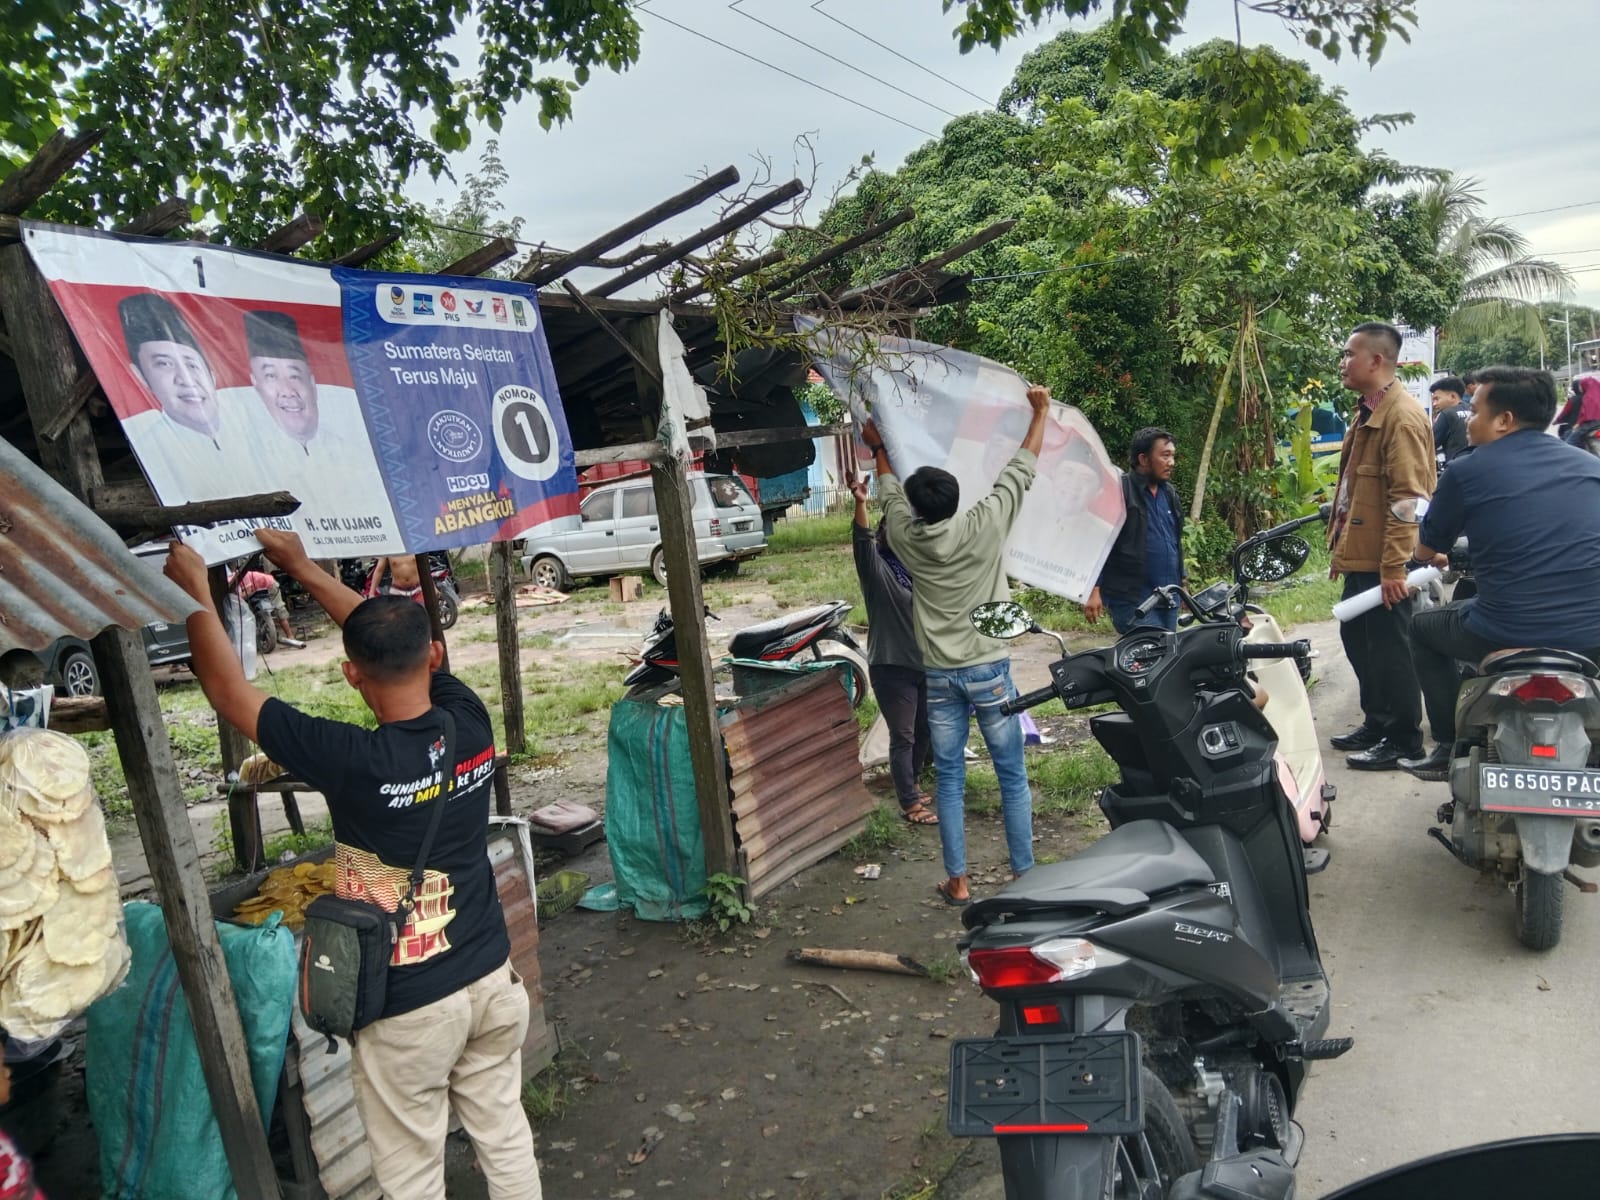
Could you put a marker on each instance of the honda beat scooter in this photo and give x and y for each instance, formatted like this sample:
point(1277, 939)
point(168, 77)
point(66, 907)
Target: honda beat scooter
point(1161, 992)
point(1524, 800)
point(818, 631)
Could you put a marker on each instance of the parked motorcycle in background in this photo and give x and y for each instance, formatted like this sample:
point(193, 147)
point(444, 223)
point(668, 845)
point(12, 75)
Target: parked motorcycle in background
point(1161, 992)
point(356, 574)
point(817, 633)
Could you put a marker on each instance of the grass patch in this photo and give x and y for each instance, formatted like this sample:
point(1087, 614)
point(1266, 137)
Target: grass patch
point(944, 968)
point(830, 530)
point(1065, 781)
point(538, 641)
point(868, 712)
point(294, 844)
point(884, 831)
point(549, 1094)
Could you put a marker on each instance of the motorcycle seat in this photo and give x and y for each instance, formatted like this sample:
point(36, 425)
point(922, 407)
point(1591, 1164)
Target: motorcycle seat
point(751, 640)
point(1537, 658)
point(1116, 875)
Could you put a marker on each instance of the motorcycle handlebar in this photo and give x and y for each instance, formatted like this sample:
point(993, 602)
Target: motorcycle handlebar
point(1027, 700)
point(1275, 649)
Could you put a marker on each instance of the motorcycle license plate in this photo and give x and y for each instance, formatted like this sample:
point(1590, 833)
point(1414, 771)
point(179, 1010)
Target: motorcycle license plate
point(1078, 1084)
point(1550, 790)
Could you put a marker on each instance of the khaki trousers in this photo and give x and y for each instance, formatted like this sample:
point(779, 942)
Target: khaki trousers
point(464, 1051)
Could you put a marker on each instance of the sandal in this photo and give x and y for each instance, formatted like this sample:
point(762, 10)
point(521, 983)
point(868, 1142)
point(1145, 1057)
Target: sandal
point(919, 814)
point(953, 901)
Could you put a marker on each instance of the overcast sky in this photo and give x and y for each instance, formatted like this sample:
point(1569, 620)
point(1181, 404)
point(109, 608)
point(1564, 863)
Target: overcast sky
point(1497, 87)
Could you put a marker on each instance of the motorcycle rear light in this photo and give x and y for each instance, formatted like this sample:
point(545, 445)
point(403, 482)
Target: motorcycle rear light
point(1542, 751)
point(1032, 966)
point(1559, 687)
point(1041, 1014)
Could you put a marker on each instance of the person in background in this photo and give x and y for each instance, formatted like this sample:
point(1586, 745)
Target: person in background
point(403, 578)
point(893, 659)
point(1385, 467)
point(1449, 419)
point(455, 1010)
point(958, 563)
point(1535, 549)
point(261, 581)
point(1582, 407)
point(1148, 552)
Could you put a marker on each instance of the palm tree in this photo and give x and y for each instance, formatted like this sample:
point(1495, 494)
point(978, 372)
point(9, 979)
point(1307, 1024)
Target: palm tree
point(1501, 281)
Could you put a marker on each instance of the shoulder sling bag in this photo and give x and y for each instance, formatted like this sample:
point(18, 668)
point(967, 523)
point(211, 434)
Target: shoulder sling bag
point(347, 944)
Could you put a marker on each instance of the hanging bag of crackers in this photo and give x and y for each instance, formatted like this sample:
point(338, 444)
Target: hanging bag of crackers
point(61, 936)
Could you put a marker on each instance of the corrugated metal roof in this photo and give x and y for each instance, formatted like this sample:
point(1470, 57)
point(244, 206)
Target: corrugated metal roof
point(63, 570)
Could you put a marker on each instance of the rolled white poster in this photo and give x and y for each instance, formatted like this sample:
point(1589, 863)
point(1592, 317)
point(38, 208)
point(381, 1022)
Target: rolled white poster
point(1365, 602)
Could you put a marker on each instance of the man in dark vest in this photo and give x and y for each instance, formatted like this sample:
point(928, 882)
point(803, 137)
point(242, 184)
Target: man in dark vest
point(1148, 552)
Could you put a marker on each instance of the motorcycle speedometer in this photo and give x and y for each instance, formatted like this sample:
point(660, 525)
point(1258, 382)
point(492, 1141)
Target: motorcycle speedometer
point(1138, 655)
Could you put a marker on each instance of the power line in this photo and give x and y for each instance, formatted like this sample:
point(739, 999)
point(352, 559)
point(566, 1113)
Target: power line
point(1534, 212)
point(835, 58)
point(790, 74)
point(817, 8)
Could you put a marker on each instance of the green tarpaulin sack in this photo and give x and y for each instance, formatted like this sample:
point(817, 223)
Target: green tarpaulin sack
point(147, 1096)
point(652, 819)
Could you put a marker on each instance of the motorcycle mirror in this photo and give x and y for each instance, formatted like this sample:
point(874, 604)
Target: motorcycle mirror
point(1002, 619)
point(1410, 511)
point(1276, 559)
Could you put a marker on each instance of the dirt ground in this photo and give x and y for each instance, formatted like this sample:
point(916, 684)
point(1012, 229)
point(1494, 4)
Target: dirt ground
point(699, 1064)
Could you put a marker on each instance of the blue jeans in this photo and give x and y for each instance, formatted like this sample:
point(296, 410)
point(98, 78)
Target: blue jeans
point(1125, 619)
point(952, 694)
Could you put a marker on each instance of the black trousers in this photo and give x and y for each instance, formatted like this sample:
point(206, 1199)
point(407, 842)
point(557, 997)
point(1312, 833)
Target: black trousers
point(1440, 640)
point(1378, 645)
point(903, 700)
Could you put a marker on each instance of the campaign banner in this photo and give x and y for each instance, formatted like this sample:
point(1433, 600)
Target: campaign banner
point(938, 407)
point(405, 412)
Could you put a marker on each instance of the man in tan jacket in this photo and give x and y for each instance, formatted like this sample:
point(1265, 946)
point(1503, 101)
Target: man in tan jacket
point(1387, 460)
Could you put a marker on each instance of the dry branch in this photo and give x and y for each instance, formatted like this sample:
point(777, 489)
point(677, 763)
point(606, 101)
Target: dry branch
point(860, 960)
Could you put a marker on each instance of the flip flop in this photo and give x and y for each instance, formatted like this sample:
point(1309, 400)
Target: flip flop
point(952, 901)
point(919, 814)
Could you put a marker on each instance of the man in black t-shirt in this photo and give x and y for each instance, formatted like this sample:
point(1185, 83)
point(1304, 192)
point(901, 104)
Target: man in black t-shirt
point(455, 1012)
point(1449, 418)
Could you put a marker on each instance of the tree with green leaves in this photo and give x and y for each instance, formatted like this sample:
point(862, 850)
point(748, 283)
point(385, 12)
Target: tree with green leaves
point(255, 110)
point(1249, 91)
point(450, 232)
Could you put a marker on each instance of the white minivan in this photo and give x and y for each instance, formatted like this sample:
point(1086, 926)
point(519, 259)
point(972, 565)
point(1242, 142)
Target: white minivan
point(620, 533)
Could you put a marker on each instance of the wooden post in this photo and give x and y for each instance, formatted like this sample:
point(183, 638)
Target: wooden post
point(48, 365)
point(505, 636)
point(674, 511)
point(430, 600)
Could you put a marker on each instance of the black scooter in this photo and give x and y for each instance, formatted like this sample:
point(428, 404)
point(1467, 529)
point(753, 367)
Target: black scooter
point(818, 631)
point(1161, 993)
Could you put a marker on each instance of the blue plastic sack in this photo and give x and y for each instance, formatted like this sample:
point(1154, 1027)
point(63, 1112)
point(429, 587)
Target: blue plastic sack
point(147, 1095)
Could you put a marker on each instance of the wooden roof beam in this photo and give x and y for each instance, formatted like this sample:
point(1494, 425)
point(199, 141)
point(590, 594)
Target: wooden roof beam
point(365, 254)
point(855, 297)
point(29, 182)
point(740, 216)
point(791, 281)
point(487, 256)
point(749, 267)
point(170, 214)
point(288, 239)
point(541, 274)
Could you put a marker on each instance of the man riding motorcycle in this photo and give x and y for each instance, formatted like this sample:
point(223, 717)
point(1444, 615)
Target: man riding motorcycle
point(1530, 507)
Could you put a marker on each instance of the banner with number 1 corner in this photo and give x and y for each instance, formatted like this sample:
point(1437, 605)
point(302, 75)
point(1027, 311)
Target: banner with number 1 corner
point(406, 412)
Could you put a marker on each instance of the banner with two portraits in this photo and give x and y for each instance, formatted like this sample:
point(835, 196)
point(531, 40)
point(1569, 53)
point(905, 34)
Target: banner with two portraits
point(406, 412)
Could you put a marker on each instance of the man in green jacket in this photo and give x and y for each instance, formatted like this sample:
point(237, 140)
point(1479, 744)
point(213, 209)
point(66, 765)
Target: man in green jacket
point(958, 564)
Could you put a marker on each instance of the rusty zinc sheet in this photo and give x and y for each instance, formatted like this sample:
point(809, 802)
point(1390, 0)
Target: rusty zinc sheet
point(62, 569)
point(794, 779)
